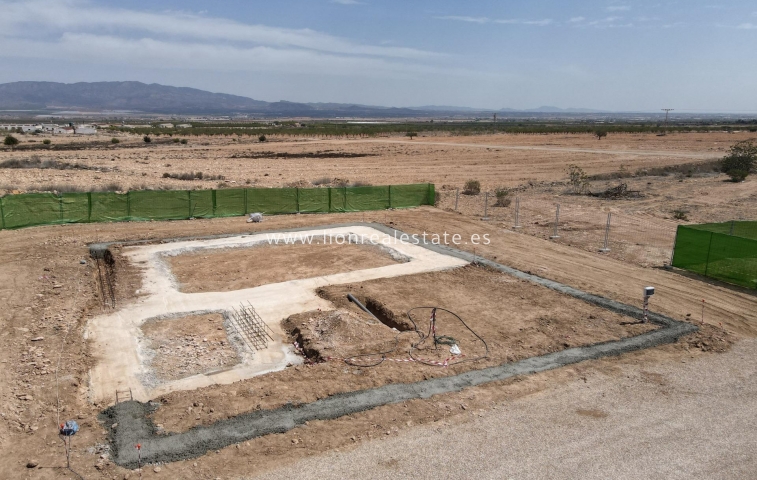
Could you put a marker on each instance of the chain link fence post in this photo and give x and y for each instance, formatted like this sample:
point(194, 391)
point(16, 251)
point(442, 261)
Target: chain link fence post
point(606, 247)
point(557, 222)
point(517, 213)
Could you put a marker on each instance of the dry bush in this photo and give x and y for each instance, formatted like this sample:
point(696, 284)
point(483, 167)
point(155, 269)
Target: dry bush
point(472, 187)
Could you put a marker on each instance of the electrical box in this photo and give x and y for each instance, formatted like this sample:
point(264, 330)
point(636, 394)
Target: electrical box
point(648, 291)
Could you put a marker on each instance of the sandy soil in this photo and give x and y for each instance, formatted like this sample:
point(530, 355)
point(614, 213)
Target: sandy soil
point(516, 319)
point(46, 291)
point(238, 268)
point(677, 419)
point(180, 347)
point(438, 159)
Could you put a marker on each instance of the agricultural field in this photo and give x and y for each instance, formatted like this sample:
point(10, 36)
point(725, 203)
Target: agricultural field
point(157, 321)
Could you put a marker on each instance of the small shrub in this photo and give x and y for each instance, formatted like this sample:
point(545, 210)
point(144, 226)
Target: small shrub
point(147, 139)
point(472, 187)
point(176, 140)
point(503, 197)
point(114, 140)
point(680, 214)
point(738, 175)
point(360, 183)
point(183, 141)
point(321, 181)
point(47, 141)
point(411, 135)
point(600, 134)
point(262, 138)
point(577, 179)
point(10, 141)
point(740, 160)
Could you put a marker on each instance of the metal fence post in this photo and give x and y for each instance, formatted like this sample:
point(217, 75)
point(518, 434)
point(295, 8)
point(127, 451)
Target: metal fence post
point(606, 248)
point(457, 197)
point(486, 206)
point(732, 225)
point(557, 222)
point(517, 213)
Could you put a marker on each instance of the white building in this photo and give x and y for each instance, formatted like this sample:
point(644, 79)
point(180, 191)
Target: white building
point(26, 128)
point(85, 130)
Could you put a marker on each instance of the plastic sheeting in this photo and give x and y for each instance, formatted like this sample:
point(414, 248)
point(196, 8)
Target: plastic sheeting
point(703, 249)
point(18, 211)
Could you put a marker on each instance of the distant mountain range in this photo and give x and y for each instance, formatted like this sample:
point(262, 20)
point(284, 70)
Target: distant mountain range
point(153, 99)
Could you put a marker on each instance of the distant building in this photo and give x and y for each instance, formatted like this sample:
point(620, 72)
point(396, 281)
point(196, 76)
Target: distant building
point(166, 125)
point(85, 130)
point(184, 125)
point(26, 128)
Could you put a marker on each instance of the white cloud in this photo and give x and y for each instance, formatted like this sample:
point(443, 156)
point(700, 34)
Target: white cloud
point(577, 19)
point(44, 17)
point(747, 26)
point(464, 19)
point(618, 8)
point(482, 20)
point(347, 2)
point(518, 21)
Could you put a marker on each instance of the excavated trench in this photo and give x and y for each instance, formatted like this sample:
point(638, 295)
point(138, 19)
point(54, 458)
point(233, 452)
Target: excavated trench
point(134, 425)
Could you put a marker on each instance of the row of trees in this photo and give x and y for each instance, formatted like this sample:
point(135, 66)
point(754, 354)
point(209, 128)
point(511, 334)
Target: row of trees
point(328, 129)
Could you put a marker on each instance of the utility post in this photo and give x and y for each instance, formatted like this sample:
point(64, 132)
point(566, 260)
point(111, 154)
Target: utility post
point(666, 110)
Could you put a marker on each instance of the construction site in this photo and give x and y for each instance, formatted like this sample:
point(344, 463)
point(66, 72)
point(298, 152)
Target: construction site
point(246, 332)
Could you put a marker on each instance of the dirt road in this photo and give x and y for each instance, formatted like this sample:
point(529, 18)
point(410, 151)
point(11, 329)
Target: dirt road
point(673, 421)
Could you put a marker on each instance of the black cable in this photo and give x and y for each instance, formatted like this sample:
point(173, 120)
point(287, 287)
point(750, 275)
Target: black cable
point(421, 338)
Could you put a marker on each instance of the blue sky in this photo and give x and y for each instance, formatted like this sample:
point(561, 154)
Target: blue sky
point(606, 54)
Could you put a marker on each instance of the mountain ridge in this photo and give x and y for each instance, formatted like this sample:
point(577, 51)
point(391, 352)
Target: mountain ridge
point(154, 98)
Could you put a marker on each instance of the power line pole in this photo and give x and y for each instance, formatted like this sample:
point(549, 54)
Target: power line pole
point(666, 110)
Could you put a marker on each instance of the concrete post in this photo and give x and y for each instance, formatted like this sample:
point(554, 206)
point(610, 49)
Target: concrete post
point(457, 197)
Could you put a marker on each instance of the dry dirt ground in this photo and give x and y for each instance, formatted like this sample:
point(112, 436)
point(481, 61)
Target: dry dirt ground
point(238, 268)
point(183, 346)
point(48, 295)
point(496, 160)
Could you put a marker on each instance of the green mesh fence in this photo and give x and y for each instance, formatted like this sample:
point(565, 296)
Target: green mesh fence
point(724, 251)
point(18, 211)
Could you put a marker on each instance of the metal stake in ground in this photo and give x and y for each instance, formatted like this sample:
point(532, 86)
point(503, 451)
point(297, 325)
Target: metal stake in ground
point(486, 206)
point(557, 222)
point(457, 197)
point(606, 248)
point(517, 213)
point(648, 292)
